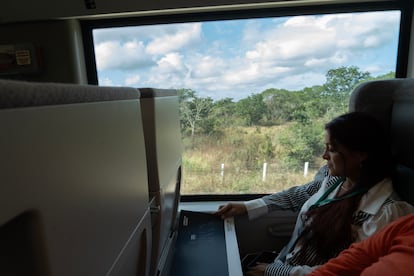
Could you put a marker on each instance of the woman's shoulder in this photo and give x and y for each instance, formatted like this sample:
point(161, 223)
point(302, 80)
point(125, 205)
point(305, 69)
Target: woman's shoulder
point(394, 204)
point(381, 196)
point(390, 211)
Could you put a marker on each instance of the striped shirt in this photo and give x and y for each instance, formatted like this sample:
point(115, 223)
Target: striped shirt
point(379, 206)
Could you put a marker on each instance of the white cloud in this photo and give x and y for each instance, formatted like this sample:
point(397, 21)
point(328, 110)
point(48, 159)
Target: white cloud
point(374, 68)
point(306, 43)
point(117, 55)
point(183, 36)
point(279, 53)
point(170, 72)
point(106, 82)
point(132, 80)
point(207, 66)
point(170, 62)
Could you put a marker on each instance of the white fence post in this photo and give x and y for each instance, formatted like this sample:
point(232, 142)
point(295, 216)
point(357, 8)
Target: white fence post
point(264, 171)
point(305, 170)
point(222, 170)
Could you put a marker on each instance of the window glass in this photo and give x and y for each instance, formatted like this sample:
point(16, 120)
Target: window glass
point(254, 93)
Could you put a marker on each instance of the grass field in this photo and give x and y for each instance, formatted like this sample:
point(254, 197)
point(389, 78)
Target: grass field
point(239, 150)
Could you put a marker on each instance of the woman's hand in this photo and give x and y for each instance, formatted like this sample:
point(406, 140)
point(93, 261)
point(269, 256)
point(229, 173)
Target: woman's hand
point(231, 209)
point(257, 270)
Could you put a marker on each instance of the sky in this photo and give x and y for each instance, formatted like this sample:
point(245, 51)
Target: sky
point(238, 58)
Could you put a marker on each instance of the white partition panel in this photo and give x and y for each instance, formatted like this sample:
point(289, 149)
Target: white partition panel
point(81, 168)
point(160, 113)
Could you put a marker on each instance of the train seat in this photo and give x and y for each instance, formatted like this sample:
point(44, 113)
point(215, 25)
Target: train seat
point(74, 190)
point(392, 103)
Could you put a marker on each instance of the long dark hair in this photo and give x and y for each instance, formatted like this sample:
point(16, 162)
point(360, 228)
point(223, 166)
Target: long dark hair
point(328, 228)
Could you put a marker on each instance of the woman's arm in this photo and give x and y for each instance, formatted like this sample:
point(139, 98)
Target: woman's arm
point(278, 268)
point(290, 199)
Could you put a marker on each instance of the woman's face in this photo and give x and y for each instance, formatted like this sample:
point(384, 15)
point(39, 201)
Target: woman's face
point(342, 161)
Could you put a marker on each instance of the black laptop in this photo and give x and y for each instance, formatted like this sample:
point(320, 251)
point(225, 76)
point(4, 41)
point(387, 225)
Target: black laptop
point(201, 250)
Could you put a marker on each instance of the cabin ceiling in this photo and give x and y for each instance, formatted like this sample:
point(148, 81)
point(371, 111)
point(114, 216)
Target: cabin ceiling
point(28, 10)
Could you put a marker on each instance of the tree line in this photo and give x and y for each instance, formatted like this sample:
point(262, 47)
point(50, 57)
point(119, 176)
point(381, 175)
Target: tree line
point(305, 110)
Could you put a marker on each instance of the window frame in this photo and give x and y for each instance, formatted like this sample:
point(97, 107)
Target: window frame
point(401, 70)
point(406, 9)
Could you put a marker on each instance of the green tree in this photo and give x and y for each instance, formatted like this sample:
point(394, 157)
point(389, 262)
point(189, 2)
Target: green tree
point(301, 143)
point(266, 148)
point(279, 104)
point(184, 94)
point(310, 104)
point(223, 113)
point(193, 109)
point(251, 109)
point(340, 83)
point(344, 79)
point(389, 75)
point(301, 106)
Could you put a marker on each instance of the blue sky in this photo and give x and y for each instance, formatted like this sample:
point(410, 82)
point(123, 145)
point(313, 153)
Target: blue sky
point(237, 58)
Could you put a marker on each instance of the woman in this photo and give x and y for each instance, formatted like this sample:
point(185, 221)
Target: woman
point(349, 199)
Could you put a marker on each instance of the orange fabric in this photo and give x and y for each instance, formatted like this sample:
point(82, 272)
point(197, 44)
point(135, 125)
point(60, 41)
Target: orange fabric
point(388, 252)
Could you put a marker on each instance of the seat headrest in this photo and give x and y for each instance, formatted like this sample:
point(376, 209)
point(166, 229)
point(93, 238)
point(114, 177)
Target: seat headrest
point(14, 94)
point(392, 103)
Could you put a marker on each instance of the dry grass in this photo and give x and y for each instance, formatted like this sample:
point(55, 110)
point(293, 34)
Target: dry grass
point(202, 165)
point(242, 183)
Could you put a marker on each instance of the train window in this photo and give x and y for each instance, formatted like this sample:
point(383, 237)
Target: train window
point(255, 92)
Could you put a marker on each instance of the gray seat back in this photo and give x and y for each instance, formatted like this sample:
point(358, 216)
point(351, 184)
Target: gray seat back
point(74, 190)
point(392, 103)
